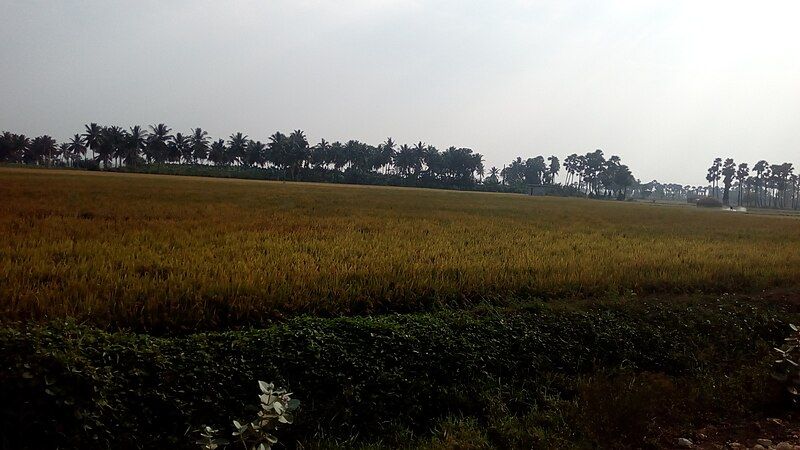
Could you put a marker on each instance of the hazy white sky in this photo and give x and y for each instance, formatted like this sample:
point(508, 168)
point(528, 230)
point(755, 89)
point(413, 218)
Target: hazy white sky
point(667, 85)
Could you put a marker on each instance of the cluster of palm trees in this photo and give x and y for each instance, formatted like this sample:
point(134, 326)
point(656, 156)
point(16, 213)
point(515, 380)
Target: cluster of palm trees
point(765, 185)
point(115, 147)
point(597, 175)
point(292, 157)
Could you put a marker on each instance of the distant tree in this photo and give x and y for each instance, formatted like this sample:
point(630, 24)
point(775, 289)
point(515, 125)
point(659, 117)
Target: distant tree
point(741, 176)
point(534, 170)
point(593, 164)
point(63, 152)
point(109, 145)
point(406, 161)
point(321, 154)
point(477, 163)
point(218, 152)
point(623, 179)
point(493, 178)
point(157, 148)
point(713, 175)
point(761, 169)
point(198, 142)
point(91, 137)
point(134, 145)
point(41, 151)
point(781, 175)
point(297, 152)
point(385, 155)
point(553, 168)
point(255, 154)
point(180, 149)
point(76, 149)
point(571, 166)
point(728, 173)
point(7, 146)
point(278, 151)
point(237, 146)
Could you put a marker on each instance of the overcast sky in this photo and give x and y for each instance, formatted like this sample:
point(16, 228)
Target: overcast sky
point(667, 85)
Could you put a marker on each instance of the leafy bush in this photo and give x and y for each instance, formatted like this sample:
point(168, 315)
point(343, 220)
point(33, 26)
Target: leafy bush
point(709, 202)
point(68, 385)
point(788, 364)
point(256, 434)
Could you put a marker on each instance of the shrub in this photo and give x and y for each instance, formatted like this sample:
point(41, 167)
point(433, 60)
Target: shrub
point(788, 364)
point(708, 202)
point(67, 385)
point(256, 434)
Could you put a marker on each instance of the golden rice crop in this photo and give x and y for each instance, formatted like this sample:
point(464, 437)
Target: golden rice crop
point(153, 251)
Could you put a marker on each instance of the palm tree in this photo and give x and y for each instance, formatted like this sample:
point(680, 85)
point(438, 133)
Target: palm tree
point(728, 172)
point(109, 142)
point(493, 178)
point(76, 148)
point(713, 175)
point(741, 176)
point(92, 137)
point(7, 146)
point(41, 150)
point(63, 152)
point(320, 154)
point(157, 143)
point(179, 148)
point(217, 154)
point(761, 168)
point(298, 152)
point(237, 146)
point(255, 153)
point(553, 168)
point(21, 145)
point(199, 144)
point(385, 154)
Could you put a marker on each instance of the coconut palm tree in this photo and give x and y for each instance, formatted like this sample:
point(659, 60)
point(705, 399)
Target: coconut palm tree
point(179, 148)
point(63, 152)
point(157, 148)
point(199, 144)
point(76, 148)
point(132, 146)
point(237, 147)
point(91, 137)
point(218, 152)
point(109, 145)
point(320, 154)
point(255, 154)
point(42, 150)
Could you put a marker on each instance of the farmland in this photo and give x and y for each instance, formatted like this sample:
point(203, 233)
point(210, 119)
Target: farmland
point(159, 251)
point(138, 307)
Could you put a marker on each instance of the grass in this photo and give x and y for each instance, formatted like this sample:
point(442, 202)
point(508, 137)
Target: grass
point(160, 251)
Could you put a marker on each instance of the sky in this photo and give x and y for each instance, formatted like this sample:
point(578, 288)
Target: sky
point(666, 85)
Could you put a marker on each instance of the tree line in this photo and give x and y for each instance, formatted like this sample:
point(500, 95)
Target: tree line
point(291, 156)
point(764, 185)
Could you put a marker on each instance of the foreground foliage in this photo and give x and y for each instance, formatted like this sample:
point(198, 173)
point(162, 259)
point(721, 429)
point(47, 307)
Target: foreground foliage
point(788, 364)
point(162, 253)
point(532, 374)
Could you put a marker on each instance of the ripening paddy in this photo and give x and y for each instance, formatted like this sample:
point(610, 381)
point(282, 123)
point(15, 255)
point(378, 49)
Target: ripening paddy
point(161, 251)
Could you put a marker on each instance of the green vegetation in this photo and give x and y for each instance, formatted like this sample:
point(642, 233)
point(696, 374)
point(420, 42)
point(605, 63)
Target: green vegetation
point(533, 376)
point(140, 309)
point(159, 253)
point(291, 157)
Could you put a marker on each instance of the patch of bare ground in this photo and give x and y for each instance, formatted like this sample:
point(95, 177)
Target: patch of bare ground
point(774, 433)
